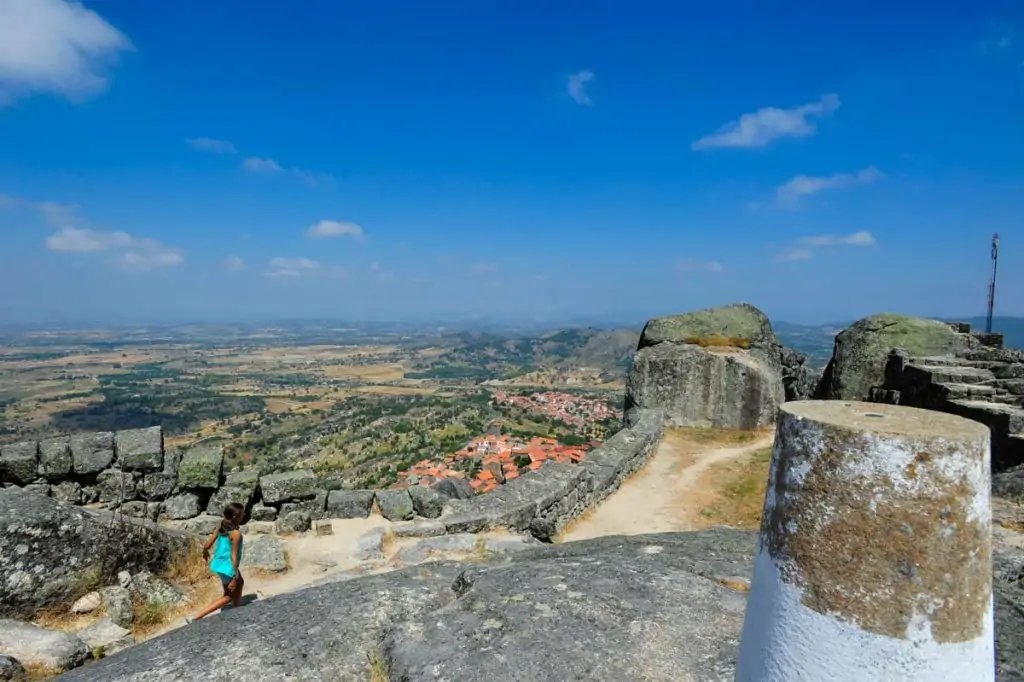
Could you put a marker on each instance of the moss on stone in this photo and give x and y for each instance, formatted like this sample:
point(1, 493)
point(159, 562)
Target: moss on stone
point(741, 323)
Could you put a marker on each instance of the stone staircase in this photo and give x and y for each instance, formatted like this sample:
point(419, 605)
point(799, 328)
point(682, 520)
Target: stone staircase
point(985, 384)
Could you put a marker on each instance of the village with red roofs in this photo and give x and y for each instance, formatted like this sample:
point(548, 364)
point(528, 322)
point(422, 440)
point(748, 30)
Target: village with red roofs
point(489, 461)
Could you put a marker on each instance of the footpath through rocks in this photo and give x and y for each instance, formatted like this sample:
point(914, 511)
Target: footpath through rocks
point(671, 491)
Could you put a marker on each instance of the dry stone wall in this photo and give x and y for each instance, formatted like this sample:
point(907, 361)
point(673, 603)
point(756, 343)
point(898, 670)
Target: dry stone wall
point(130, 471)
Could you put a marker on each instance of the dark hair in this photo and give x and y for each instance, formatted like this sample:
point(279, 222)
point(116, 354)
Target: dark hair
point(233, 514)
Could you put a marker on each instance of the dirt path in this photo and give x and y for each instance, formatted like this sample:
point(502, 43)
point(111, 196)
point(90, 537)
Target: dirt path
point(666, 494)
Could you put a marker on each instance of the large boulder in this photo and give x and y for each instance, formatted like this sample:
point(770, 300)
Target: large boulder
point(51, 650)
point(695, 386)
point(860, 351)
point(719, 367)
point(201, 466)
point(106, 637)
point(228, 494)
point(51, 553)
point(157, 485)
point(648, 607)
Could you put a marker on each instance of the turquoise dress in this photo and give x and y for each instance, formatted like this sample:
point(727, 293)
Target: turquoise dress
point(221, 563)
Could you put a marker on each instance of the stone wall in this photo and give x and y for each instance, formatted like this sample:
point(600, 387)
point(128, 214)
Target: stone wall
point(130, 471)
point(544, 501)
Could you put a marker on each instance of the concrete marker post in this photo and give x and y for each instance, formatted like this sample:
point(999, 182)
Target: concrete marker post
point(874, 558)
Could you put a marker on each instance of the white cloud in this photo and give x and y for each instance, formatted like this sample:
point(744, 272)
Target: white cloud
point(256, 164)
point(576, 85)
point(483, 268)
point(804, 248)
point(291, 267)
point(54, 46)
point(59, 215)
point(6, 201)
point(335, 228)
point(794, 254)
point(160, 257)
point(788, 194)
point(81, 240)
point(233, 263)
point(689, 265)
point(209, 144)
point(259, 164)
point(139, 253)
point(766, 125)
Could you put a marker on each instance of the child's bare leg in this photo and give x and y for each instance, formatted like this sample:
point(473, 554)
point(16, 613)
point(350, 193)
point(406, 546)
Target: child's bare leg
point(219, 604)
point(236, 598)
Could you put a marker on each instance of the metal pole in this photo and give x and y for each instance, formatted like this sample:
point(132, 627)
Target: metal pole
point(992, 283)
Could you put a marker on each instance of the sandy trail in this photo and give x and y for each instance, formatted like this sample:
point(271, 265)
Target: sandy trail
point(665, 495)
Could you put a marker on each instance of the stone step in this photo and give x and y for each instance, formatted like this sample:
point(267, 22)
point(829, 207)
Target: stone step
point(938, 361)
point(1011, 371)
point(955, 390)
point(1003, 418)
point(947, 374)
point(1014, 386)
point(1008, 399)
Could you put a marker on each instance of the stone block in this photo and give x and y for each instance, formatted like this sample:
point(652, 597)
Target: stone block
point(259, 528)
point(91, 453)
point(296, 521)
point(427, 502)
point(118, 602)
point(38, 489)
point(227, 495)
point(115, 486)
point(418, 529)
point(19, 462)
point(158, 485)
point(264, 552)
point(370, 545)
point(55, 458)
point(248, 479)
point(349, 504)
point(323, 527)
point(135, 508)
point(140, 449)
point(395, 505)
point(107, 637)
point(201, 466)
point(182, 506)
point(67, 491)
point(288, 485)
point(262, 513)
point(314, 507)
point(455, 488)
point(35, 646)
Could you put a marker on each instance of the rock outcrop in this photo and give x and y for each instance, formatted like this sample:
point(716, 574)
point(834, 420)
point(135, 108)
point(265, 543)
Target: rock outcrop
point(652, 607)
point(860, 352)
point(52, 553)
point(720, 367)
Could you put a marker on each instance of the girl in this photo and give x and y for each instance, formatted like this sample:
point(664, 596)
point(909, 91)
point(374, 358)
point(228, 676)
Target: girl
point(227, 554)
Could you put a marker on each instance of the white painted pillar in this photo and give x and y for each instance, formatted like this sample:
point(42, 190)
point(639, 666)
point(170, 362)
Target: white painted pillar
point(875, 554)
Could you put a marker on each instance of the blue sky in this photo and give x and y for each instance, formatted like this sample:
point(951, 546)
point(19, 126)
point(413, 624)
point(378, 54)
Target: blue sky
point(381, 160)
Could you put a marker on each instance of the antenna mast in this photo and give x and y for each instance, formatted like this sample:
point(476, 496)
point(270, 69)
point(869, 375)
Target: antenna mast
point(992, 283)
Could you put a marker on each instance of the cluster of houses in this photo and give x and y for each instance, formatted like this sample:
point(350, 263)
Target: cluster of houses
point(493, 460)
point(571, 409)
